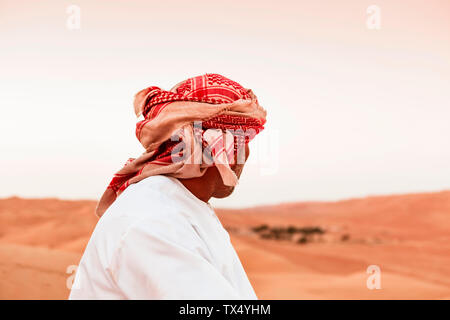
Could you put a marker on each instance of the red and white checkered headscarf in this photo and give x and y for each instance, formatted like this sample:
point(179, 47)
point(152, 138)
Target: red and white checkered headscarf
point(205, 112)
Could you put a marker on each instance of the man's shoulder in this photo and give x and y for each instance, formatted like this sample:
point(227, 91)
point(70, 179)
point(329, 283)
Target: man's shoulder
point(151, 197)
point(148, 206)
point(157, 203)
point(150, 210)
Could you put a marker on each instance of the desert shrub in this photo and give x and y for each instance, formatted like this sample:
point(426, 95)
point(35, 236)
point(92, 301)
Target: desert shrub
point(311, 230)
point(291, 229)
point(277, 230)
point(261, 228)
point(288, 233)
point(267, 236)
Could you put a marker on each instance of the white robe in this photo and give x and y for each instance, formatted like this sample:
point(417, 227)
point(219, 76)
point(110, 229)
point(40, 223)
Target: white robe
point(159, 241)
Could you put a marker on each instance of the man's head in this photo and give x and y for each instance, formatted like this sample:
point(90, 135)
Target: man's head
point(221, 105)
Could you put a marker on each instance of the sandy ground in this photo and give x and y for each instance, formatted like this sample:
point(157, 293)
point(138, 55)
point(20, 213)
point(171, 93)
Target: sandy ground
point(406, 236)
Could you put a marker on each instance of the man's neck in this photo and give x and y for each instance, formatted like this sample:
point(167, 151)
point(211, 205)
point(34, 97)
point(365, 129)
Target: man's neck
point(202, 187)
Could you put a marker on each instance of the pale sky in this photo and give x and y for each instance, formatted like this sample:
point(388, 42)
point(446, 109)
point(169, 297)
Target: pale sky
point(352, 111)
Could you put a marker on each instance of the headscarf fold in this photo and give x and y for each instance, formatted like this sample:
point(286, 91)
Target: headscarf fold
point(199, 123)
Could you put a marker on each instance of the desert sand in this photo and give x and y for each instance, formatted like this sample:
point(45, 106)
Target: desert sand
point(311, 250)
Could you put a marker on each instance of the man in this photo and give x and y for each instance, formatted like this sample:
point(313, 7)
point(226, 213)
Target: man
point(158, 237)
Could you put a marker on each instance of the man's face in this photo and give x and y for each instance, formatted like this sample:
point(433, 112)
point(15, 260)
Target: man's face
point(223, 191)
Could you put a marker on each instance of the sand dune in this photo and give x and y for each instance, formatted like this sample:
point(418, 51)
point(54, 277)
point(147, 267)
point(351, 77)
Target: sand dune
point(406, 236)
point(34, 272)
